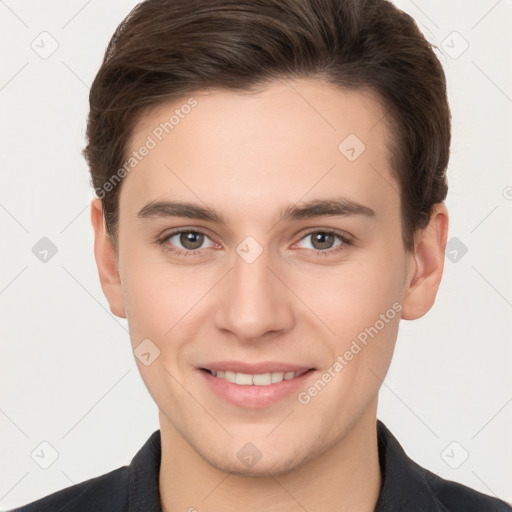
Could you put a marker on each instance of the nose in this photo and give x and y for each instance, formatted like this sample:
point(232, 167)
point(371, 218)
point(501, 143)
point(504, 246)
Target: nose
point(253, 301)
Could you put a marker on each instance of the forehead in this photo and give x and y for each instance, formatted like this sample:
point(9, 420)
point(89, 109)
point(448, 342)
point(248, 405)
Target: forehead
point(288, 141)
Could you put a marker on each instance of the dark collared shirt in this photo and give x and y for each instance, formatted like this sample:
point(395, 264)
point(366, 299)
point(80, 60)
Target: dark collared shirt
point(406, 486)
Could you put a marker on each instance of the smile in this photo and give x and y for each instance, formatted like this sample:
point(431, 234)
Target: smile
point(261, 379)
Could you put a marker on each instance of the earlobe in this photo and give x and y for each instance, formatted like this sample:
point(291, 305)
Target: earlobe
point(106, 261)
point(427, 264)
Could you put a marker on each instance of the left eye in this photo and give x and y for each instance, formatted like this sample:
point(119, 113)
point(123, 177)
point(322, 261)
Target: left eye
point(324, 240)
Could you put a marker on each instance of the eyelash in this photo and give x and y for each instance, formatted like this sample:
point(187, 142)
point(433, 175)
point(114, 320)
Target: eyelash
point(327, 252)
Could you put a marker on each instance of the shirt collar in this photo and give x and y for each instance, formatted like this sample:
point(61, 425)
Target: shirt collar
point(404, 484)
point(144, 495)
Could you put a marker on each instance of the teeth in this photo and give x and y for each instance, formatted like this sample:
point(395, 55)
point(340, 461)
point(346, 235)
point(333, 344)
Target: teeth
point(277, 377)
point(262, 379)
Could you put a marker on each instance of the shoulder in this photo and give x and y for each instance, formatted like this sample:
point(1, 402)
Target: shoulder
point(409, 486)
point(455, 497)
point(104, 492)
point(130, 487)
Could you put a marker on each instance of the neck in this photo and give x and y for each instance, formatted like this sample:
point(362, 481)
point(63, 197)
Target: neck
point(345, 477)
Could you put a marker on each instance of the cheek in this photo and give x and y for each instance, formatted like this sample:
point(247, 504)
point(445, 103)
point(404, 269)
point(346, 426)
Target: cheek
point(160, 302)
point(364, 311)
point(351, 297)
point(368, 325)
point(150, 301)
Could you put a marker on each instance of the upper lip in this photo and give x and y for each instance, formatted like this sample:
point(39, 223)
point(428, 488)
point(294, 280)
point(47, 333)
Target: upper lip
point(254, 368)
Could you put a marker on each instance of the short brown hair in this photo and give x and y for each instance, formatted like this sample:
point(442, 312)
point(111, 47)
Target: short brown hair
point(165, 49)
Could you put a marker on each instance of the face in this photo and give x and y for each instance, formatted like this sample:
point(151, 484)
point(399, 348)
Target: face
point(261, 234)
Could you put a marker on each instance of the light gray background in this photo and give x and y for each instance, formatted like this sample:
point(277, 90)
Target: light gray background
point(68, 373)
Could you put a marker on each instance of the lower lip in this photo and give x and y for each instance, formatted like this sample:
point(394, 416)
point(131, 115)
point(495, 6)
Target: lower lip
point(252, 396)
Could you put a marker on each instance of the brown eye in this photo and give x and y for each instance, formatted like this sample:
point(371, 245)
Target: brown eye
point(325, 241)
point(186, 242)
point(322, 240)
point(191, 240)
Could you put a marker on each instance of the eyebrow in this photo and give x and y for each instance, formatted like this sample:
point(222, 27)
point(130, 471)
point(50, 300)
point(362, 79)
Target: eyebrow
point(311, 209)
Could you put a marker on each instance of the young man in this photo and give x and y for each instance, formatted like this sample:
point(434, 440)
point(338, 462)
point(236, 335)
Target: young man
point(270, 179)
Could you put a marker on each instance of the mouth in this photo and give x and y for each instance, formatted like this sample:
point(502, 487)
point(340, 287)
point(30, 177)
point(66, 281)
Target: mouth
point(259, 379)
point(256, 390)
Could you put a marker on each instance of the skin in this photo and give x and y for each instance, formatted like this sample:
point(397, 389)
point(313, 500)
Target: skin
point(248, 156)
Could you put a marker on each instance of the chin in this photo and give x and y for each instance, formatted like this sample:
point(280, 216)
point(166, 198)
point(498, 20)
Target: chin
point(262, 468)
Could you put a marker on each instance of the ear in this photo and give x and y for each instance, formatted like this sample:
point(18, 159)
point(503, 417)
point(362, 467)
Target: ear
point(426, 265)
point(106, 261)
